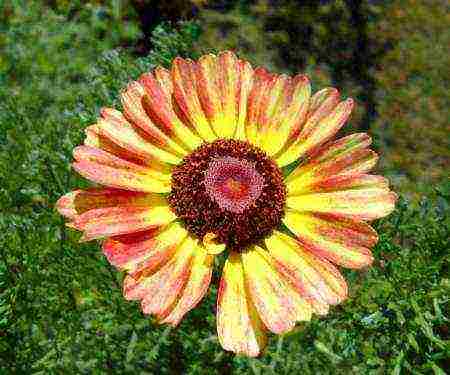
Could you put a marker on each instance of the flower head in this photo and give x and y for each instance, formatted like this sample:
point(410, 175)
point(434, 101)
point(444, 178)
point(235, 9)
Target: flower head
point(193, 168)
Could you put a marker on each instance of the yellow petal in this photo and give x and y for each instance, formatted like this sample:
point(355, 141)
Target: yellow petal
point(147, 250)
point(317, 131)
point(316, 280)
point(186, 95)
point(278, 305)
point(106, 169)
point(246, 83)
point(289, 115)
point(239, 326)
point(342, 241)
point(195, 288)
point(132, 102)
point(368, 201)
point(114, 126)
point(348, 155)
point(159, 290)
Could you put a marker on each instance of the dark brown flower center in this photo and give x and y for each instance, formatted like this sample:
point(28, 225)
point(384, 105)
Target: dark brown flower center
point(231, 189)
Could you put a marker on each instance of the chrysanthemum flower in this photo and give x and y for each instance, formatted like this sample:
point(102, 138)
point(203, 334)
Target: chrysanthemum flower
point(194, 167)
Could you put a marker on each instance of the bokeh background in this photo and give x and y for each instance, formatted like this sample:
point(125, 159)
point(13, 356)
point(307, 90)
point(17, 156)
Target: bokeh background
point(61, 309)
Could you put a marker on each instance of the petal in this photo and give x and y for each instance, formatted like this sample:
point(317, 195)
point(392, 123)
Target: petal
point(257, 101)
point(195, 288)
point(278, 305)
point(228, 83)
point(342, 241)
point(113, 221)
point(144, 250)
point(187, 97)
point(336, 183)
point(159, 106)
point(78, 202)
point(115, 127)
point(95, 139)
point(348, 155)
point(159, 290)
point(106, 169)
point(218, 88)
point(288, 112)
point(318, 129)
point(239, 326)
point(362, 197)
point(132, 102)
point(245, 86)
point(318, 281)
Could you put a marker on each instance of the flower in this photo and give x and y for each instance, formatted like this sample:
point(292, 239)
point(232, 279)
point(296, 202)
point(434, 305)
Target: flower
point(195, 167)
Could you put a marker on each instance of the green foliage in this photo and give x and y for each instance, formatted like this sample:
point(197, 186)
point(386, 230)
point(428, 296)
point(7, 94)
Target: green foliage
point(61, 306)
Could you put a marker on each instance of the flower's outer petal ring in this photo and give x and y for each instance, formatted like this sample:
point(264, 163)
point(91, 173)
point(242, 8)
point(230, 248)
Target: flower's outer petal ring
point(315, 279)
point(106, 169)
point(346, 156)
point(363, 197)
point(114, 221)
point(316, 132)
point(239, 326)
point(77, 202)
point(147, 250)
point(159, 290)
point(342, 241)
point(195, 288)
point(278, 305)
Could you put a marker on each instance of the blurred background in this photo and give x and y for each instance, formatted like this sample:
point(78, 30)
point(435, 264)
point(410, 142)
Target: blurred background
point(61, 309)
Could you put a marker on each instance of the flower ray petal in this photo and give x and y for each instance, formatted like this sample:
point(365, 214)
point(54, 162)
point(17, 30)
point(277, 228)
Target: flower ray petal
point(239, 326)
point(195, 288)
point(318, 281)
point(147, 250)
point(106, 169)
point(159, 290)
point(278, 305)
point(342, 241)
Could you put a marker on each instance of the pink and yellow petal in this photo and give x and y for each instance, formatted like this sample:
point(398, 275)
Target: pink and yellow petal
point(147, 250)
point(315, 280)
point(258, 97)
point(187, 97)
point(336, 183)
point(318, 129)
point(218, 89)
point(159, 290)
point(114, 221)
point(245, 86)
point(195, 288)
point(239, 326)
point(132, 101)
point(342, 241)
point(106, 169)
point(159, 106)
point(114, 126)
point(360, 199)
point(348, 155)
point(289, 115)
point(95, 139)
point(78, 202)
point(278, 305)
